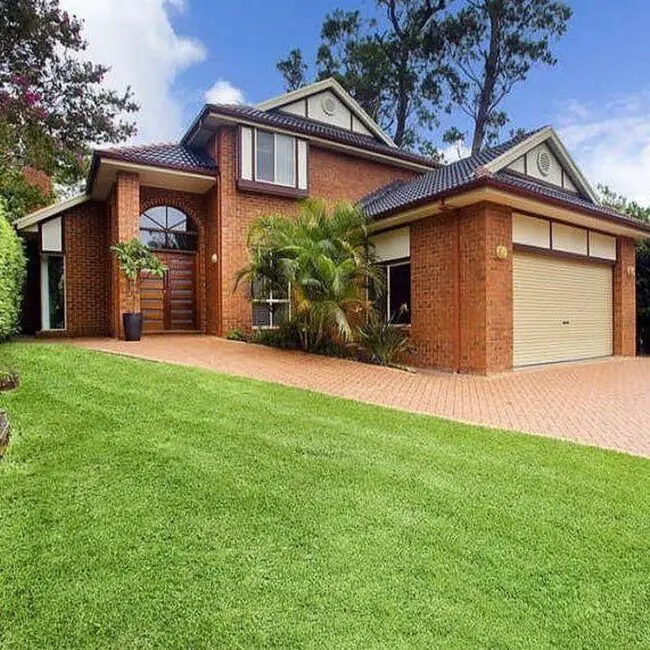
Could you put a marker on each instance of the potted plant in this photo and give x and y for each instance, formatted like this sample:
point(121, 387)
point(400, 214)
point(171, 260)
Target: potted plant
point(136, 258)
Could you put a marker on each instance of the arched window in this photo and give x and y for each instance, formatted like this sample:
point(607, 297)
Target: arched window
point(167, 228)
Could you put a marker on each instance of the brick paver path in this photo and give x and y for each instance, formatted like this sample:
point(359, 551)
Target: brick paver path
point(605, 403)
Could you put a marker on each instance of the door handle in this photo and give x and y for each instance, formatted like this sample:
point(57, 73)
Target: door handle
point(566, 322)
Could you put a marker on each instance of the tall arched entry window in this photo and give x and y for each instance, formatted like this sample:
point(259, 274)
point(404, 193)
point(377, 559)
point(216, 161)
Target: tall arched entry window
point(169, 303)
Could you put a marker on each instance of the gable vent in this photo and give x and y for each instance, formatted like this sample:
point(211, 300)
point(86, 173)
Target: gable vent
point(544, 163)
point(328, 104)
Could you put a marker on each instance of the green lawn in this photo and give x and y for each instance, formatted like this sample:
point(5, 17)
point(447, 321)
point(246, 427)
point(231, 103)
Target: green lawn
point(146, 505)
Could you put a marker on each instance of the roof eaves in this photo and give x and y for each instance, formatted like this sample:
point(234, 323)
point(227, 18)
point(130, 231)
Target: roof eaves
point(307, 129)
point(489, 180)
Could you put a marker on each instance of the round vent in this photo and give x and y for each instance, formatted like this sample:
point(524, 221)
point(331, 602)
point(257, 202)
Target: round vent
point(543, 163)
point(328, 104)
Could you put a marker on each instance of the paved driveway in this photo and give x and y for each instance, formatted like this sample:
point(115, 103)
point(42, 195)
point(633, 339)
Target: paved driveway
point(605, 403)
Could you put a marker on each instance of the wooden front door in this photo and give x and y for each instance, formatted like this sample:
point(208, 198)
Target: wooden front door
point(169, 303)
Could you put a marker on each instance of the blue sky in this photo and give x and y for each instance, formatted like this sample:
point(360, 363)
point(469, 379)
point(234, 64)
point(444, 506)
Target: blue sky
point(173, 51)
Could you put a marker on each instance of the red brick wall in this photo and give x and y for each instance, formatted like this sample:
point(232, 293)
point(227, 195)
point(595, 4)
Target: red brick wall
point(335, 176)
point(125, 213)
point(331, 176)
point(625, 299)
point(461, 292)
point(434, 291)
point(87, 270)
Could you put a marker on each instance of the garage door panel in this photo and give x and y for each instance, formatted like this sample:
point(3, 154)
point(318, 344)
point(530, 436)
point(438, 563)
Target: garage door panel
point(563, 309)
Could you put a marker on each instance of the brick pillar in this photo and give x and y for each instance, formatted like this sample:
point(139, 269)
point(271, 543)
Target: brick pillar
point(125, 224)
point(625, 298)
point(485, 330)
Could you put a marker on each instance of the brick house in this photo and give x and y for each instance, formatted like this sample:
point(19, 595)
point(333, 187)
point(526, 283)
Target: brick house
point(497, 261)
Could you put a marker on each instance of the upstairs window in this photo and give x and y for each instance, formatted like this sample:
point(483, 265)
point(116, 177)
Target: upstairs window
point(275, 158)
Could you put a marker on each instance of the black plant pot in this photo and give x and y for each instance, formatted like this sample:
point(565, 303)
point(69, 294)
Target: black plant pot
point(132, 326)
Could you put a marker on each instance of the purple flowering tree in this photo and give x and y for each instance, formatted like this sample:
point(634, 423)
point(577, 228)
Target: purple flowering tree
point(53, 104)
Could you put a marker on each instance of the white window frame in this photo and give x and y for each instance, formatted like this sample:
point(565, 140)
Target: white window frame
point(270, 302)
point(45, 294)
point(388, 265)
point(275, 159)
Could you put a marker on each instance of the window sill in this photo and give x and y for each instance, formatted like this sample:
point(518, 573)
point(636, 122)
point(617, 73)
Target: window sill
point(270, 188)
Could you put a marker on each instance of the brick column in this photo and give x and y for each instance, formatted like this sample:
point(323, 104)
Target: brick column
point(625, 298)
point(485, 330)
point(125, 224)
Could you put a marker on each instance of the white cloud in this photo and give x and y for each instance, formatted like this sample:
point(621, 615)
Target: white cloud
point(455, 152)
point(223, 92)
point(139, 42)
point(611, 143)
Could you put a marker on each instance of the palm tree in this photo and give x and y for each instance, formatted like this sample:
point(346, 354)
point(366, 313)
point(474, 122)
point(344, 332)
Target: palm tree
point(323, 256)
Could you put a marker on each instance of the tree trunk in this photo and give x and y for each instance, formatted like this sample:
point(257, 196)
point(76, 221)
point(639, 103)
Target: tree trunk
point(487, 91)
point(402, 103)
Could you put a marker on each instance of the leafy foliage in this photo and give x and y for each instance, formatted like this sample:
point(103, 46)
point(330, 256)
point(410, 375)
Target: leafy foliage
point(383, 64)
point(632, 208)
point(52, 102)
point(383, 342)
point(322, 256)
point(12, 276)
point(135, 258)
point(493, 45)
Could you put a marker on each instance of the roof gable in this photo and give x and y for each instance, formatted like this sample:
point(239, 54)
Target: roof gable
point(541, 156)
point(327, 101)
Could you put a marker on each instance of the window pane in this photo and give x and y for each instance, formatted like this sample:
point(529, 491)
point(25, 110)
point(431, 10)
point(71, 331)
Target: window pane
point(280, 313)
point(154, 217)
point(181, 241)
point(264, 157)
point(153, 238)
point(56, 292)
point(286, 160)
point(261, 288)
point(261, 315)
point(176, 220)
point(280, 291)
point(378, 294)
point(400, 293)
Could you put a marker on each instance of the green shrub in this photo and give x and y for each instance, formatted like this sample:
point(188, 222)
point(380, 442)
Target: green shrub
point(285, 337)
point(383, 343)
point(236, 335)
point(12, 277)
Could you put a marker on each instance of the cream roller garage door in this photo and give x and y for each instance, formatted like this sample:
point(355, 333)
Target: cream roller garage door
point(563, 310)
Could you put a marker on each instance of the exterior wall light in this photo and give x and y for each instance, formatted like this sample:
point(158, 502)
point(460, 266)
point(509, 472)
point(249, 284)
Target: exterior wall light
point(631, 271)
point(502, 253)
point(214, 258)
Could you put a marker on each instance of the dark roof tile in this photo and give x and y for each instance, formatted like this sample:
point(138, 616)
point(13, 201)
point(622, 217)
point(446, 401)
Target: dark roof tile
point(307, 126)
point(168, 155)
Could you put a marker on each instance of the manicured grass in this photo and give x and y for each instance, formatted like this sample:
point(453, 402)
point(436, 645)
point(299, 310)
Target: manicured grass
point(146, 505)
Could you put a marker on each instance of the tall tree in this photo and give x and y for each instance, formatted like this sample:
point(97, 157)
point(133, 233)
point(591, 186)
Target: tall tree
point(493, 46)
point(53, 104)
point(294, 70)
point(621, 203)
point(382, 63)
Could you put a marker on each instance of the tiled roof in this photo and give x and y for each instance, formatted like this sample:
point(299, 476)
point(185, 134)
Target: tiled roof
point(436, 182)
point(466, 173)
point(307, 126)
point(169, 155)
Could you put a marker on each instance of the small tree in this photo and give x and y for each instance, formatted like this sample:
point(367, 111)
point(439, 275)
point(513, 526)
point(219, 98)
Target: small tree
point(136, 258)
point(323, 257)
point(12, 276)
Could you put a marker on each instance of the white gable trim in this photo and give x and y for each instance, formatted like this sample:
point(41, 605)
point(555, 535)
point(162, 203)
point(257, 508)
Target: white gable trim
point(548, 135)
point(334, 86)
point(50, 211)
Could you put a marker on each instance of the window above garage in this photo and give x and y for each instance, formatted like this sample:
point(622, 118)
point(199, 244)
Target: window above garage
point(547, 236)
point(272, 163)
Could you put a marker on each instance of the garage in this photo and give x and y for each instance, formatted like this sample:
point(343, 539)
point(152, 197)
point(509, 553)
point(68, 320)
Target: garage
point(563, 309)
